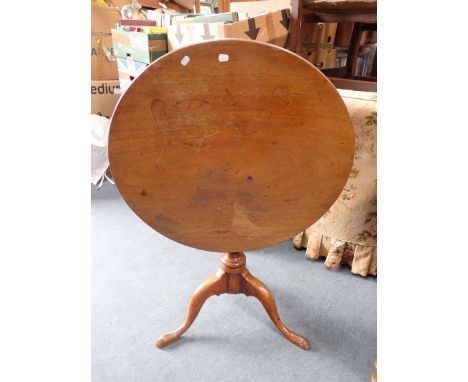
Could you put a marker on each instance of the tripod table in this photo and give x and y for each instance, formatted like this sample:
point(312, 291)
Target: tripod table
point(205, 146)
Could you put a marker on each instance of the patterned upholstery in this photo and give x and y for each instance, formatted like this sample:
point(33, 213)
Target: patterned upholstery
point(347, 232)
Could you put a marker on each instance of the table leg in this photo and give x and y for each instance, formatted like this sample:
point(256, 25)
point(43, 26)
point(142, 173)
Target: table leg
point(233, 277)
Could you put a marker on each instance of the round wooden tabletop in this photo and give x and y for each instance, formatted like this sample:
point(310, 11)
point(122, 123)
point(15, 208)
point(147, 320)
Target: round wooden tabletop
point(230, 145)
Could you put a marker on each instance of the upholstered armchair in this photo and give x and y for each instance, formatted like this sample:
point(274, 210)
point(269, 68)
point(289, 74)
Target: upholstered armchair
point(347, 233)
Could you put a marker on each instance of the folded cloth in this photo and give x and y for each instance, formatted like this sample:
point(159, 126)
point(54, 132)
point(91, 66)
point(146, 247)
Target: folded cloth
point(99, 141)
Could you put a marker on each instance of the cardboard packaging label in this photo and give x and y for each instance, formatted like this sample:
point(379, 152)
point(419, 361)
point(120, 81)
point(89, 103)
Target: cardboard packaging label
point(142, 47)
point(103, 64)
point(104, 97)
point(271, 27)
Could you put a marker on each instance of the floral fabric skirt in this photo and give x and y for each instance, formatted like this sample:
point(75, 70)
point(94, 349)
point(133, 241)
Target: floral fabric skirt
point(347, 232)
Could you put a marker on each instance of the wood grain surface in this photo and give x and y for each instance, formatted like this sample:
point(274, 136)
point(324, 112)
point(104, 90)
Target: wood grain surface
point(230, 156)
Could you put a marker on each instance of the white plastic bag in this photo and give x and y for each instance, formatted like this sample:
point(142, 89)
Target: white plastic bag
point(99, 142)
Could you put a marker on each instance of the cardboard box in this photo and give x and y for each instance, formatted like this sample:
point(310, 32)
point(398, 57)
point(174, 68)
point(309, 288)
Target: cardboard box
point(142, 47)
point(344, 33)
point(178, 6)
point(189, 4)
point(103, 64)
point(227, 17)
point(104, 97)
point(128, 68)
point(118, 3)
point(271, 27)
point(253, 8)
point(318, 36)
point(321, 58)
point(128, 71)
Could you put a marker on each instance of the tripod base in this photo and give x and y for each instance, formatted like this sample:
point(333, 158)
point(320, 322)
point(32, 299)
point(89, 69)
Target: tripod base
point(233, 277)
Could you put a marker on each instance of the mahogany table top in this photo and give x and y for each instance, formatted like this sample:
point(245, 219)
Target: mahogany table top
point(230, 153)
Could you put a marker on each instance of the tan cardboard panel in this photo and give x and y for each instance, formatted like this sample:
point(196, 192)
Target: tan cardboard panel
point(253, 8)
point(122, 38)
point(103, 65)
point(104, 97)
point(321, 58)
point(318, 36)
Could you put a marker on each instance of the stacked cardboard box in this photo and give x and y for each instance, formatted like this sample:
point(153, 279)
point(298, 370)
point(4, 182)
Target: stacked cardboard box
point(136, 44)
point(228, 17)
point(318, 44)
point(141, 45)
point(129, 70)
point(322, 58)
point(271, 27)
point(345, 31)
point(318, 36)
point(135, 49)
point(104, 75)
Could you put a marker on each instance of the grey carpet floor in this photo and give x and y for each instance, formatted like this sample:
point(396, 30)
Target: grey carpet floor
point(141, 287)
